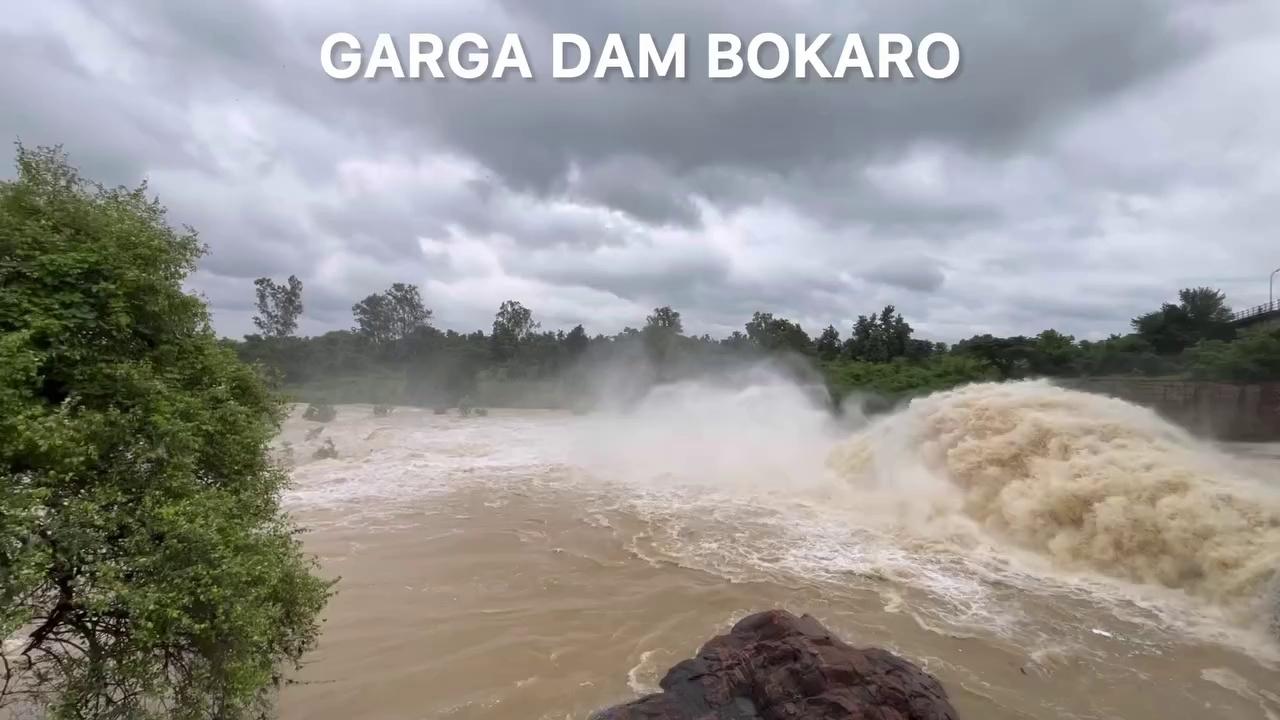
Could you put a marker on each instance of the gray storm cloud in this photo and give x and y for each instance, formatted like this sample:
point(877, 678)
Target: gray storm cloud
point(1088, 159)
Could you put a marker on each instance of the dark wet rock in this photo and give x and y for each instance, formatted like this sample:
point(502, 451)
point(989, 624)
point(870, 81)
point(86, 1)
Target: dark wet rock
point(776, 666)
point(326, 451)
point(320, 412)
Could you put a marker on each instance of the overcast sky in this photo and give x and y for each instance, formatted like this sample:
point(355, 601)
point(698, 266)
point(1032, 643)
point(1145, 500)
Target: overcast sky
point(1090, 158)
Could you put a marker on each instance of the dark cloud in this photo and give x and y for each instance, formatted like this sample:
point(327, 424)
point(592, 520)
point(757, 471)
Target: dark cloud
point(1088, 159)
point(50, 98)
point(637, 186)
point(920, 274)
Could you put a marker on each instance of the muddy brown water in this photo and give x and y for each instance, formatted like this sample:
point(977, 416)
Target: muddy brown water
point(536, 565)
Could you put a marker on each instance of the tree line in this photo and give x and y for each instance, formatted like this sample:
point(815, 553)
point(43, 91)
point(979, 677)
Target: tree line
point(392, 337)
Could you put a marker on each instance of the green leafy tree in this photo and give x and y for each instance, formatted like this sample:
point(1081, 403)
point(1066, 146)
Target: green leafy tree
point(1207, 310)
point(660, 332)
point(373, 318)
point(896, 332)
point(1053, 353)
point(665, 320)
point(774, 334)
point(576, 341)
point(146, 568)
point(389, 317)
point(1201, 314)
point(917, 349)
point(1009, 356)
point(865, 342)
point(278, 306)
point(737, 342)
point(512, 325)
point(408, 315)
point(433, 367)
point(828, 344)
point(881, 337)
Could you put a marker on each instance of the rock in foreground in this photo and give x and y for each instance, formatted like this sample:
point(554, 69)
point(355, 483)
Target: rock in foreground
point(776, 666)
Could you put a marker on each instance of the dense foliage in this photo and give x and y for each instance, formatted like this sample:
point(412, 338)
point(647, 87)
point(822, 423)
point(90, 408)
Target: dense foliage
point(391, 316)
point(146, 569)
point(901, 377)
point(1254, 356)
point(520, 364)
point(1171, 341)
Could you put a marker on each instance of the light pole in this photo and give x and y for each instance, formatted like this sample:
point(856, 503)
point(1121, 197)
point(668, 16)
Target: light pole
point(1271, 290)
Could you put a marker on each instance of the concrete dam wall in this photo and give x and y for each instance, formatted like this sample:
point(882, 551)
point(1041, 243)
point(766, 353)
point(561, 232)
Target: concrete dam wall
point(1224, 411)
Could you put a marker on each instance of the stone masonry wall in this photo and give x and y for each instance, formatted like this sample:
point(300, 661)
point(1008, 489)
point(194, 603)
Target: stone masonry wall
point(1224, 411)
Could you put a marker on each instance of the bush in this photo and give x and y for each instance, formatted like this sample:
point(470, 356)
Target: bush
point(320, 412)
point(903, 377)
point(1253, 357)
point(148, 570)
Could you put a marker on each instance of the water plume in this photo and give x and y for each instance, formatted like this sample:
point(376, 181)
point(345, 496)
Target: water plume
point(1089, 482)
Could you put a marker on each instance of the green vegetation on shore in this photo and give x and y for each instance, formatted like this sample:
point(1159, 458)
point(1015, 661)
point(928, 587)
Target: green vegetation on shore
point(393, 354)
point(900, 378)
point(146, 568)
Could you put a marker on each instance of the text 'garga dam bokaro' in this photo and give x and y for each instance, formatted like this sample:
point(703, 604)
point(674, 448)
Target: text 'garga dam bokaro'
point(470, 56)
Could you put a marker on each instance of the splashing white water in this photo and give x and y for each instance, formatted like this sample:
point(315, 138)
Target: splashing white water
point(1092, 483)
point(988, 499)
point(769, 435)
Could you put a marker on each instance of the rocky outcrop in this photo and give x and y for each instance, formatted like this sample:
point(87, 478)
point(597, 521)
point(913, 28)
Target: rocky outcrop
point(776, 666)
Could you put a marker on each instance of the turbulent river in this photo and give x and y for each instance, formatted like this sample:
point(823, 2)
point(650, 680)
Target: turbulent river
point(1045, 553)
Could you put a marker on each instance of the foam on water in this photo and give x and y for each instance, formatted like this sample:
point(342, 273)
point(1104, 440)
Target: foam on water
point(977, 511)
point(1089, 482)
point(387, 462)
point(1267, 700)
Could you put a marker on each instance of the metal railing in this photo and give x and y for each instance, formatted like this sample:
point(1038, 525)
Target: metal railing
point(1256, 310)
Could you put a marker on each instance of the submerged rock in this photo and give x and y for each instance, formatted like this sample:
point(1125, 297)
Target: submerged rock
point(326, 451)
point(776, 666)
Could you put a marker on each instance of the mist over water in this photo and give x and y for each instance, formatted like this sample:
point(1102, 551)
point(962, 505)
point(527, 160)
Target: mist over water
point(1063, 532)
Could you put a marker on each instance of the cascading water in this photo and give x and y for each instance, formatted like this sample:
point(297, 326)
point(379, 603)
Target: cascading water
point(1091, 482)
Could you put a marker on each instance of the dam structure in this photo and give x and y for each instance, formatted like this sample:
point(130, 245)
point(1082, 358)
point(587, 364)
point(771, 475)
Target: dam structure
point(1266, 315)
